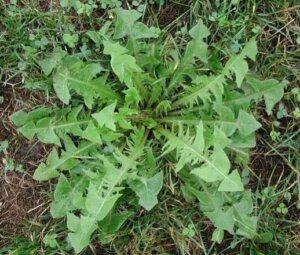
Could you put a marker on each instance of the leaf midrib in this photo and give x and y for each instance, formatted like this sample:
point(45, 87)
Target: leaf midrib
point(100, 89)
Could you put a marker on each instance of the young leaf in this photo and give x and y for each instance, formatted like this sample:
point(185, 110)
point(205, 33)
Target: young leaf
point(218, 235)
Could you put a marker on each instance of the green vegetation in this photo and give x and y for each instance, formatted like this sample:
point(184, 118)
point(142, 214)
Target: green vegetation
point(162, 127)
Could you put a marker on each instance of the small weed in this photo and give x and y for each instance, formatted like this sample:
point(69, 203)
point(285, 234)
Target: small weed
point(189, 231)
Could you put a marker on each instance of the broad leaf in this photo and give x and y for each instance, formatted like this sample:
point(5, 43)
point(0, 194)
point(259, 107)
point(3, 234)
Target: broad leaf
point(106, 117)
point(123, 65)
point(67, 196)
point(197, 47)
point(127, 25)
point(232, 183)
point(50, 63)
point(222, 219)
point(147, 190)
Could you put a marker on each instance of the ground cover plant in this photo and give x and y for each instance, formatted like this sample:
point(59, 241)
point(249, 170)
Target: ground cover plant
point(136, 112)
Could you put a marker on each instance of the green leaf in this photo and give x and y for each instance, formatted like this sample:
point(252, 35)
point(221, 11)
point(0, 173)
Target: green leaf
point(106, 117)
point(222, 219)
point(19, 118)
point(60, 85)
point(218, 235)
point(247, 124)
point(54, 163)
point(127, 24)
point(210, 199)
point(71, 40)
point(111, 224)
point(91, 133)
point(232, 183)
point(50, 240)
point(44, 172)
point(72, 222)
point(238, 65)
point(46, 133)
point(227, 121)
point(122, 117)
point(26, 120)
point(81, 238)
point(123, 65)
point(266, 237)
point(185, 145)
point(147, 190)
point(247, 226)
point(125, 21)
point(94, 201)
point(67, 196)
point(197, 47)
point(74, 74)
point(50, 63)
point(51, 124)
point(28, 130)
point(215, 168)
point(207, 85)
point(271, 90)
point(96, 36)
point(102, 196)
point(220, 139)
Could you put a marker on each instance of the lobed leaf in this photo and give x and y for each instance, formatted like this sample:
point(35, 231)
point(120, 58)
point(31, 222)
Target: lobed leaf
point(123, 65)
point(147, 190)
point(66, 161)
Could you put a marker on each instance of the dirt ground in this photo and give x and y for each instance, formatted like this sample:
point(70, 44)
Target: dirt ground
point(21, 198)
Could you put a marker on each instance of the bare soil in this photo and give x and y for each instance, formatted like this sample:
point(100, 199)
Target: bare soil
point(21, 198)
